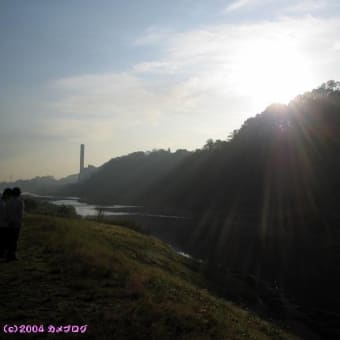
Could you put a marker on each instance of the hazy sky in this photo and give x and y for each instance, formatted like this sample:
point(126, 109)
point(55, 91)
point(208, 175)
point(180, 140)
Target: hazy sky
point(122, 76)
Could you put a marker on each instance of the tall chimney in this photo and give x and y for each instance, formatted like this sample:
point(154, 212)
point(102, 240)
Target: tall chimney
point(82, 156)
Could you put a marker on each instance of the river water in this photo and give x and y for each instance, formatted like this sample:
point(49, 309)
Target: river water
point(166, 227)
point(92, 210)
point(89, 210)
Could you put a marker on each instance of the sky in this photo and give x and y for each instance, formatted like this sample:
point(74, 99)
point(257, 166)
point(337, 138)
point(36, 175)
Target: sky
point(123, 76)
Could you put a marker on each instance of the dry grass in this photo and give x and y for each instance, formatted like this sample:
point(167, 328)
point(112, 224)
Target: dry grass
point(123, 284)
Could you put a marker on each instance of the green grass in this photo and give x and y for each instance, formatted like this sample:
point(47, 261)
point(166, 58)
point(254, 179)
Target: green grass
point(122, 284)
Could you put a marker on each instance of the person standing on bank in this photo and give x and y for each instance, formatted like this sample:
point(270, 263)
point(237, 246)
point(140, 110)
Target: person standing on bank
point(3, 222)
point(3, 225)
point(15, 213)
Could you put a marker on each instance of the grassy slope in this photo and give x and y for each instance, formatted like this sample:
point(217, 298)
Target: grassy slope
point(121, 283)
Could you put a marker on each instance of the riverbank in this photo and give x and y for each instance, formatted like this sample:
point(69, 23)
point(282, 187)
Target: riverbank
point(122, 284)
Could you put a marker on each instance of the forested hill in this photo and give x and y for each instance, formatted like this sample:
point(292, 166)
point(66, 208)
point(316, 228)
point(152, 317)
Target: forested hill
point(128, 179)
point(286, 158)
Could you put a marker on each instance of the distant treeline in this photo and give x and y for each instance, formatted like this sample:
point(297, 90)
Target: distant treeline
point(42, 185)
point(129, 179)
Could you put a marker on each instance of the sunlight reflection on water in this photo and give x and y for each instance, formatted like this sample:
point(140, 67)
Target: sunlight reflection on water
point(84, 209)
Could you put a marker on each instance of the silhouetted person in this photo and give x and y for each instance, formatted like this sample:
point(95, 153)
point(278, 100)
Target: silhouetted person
point(3, 226)
point(15, 212)
point(4, 222)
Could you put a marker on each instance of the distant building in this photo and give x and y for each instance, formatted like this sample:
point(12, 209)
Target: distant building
point(84, 173)
point(82, 157)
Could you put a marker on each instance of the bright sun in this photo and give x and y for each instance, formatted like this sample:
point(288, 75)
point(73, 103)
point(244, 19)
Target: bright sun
point(271, 72)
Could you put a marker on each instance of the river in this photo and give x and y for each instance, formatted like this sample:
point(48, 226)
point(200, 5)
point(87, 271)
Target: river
point(169, 228)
